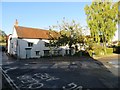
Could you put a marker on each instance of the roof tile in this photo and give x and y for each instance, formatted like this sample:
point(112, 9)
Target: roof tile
point(34, 33)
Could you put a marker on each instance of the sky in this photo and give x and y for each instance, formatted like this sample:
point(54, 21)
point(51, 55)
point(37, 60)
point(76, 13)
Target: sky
point(41, 14)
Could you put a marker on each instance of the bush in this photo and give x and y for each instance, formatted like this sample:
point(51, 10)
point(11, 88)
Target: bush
point(90, 52)
point(109, 50)
point(97, 49)
point(119, 44)
point(81, 53)
point(116, 49)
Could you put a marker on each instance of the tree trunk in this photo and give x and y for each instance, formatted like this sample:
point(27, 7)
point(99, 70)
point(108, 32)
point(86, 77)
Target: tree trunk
point(70, 51)
point(104, 47)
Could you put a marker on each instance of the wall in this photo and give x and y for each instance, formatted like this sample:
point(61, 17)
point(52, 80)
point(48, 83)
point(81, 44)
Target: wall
point(38, 45)
point(12, 39)
point(8, 46)
point(12, 45)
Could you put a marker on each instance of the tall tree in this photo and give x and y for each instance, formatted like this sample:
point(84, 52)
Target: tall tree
point(119, 21)
point(102, 17)
point(52, 39)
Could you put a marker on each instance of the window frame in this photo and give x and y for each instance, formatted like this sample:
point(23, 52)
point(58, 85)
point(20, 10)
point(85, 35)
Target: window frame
point(47, 44)
point(46, 52)
point(11, 45)
point(30, 44)
point(37, 53)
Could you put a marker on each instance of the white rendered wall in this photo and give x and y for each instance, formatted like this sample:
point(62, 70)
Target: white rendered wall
point(38, 45)
point(13, 40)
point(12, 46)
point(9, 46)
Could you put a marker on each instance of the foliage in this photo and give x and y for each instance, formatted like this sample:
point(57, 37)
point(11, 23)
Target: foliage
point(102, 18)
point(2, 36)
point(89, 42)
point(119, 12)
point(52, 40)
point(70, 33)
point(90, 52)
point(96, 49)
point(109, 50)
point(116, 49)
point(82, 53)
point(119, 43)
point(99, 50)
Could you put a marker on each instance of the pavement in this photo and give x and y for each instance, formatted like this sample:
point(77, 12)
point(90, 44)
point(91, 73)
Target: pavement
point(112, 62)
point(67, 73)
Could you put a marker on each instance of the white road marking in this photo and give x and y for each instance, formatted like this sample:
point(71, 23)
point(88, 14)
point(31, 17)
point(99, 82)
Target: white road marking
point(44, 67)
point(11, 69)
point(72, 86)
point(39, 85)
point(26, 64)
point(9, 80)
point(107, 66)
point(116, 66)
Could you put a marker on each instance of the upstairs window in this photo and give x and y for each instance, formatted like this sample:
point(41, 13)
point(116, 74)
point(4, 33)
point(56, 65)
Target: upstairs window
point(47, 44)
point(37, 53)
point(30, 44)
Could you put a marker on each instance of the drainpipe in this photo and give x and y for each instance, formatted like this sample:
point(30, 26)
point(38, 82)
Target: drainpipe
point(17, 48)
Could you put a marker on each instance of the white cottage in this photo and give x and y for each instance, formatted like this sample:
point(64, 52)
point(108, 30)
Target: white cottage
point(27, 42)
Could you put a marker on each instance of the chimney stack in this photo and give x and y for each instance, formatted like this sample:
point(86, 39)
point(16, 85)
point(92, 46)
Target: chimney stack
point(16, 23)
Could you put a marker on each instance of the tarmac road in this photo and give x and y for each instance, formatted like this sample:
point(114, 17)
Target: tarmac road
point(64, 74)
point(0, 69)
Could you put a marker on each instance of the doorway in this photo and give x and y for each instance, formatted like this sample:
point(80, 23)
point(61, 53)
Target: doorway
point(28, 53)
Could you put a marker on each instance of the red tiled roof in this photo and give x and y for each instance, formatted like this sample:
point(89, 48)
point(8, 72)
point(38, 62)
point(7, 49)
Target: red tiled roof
point(34, 33)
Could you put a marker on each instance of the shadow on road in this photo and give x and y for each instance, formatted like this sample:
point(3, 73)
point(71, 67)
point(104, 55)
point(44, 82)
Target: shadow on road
point(68, 72)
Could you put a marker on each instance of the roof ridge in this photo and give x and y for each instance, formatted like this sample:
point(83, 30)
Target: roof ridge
point(32, 28)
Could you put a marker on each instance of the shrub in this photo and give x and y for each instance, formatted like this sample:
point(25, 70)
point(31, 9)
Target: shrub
point(116, 49)
point(82, 53)
point(90, 52)
point(109, 50)
point(97, 49)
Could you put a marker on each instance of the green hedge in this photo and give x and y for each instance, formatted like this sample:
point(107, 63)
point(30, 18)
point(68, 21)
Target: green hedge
point(116, 49)
point(98, 50)
point(90, 52)
point(109, 50)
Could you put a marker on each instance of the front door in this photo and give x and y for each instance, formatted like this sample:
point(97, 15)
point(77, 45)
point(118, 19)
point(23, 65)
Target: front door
point(28, 53)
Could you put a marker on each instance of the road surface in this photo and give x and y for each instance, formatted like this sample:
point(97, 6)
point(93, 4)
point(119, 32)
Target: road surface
point(73, 74)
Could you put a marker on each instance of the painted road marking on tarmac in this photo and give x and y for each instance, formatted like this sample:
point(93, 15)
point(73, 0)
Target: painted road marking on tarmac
point(107, 66)
point(13, 68)
point(113, 66)
point(43, 67)
point(36, 81)
point(116, 66)
point(36, 85)
point(72, 86)
point(10, 81)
